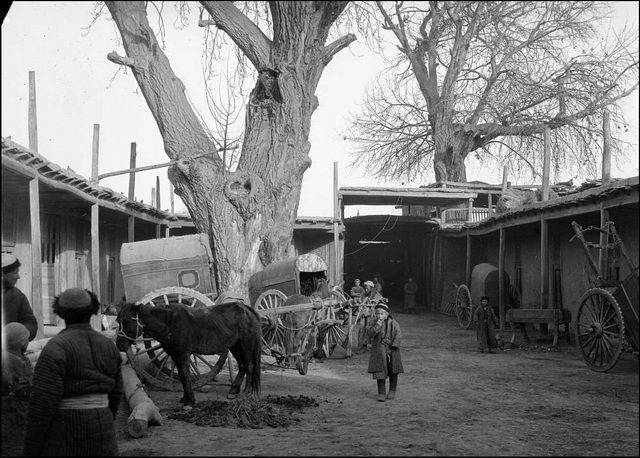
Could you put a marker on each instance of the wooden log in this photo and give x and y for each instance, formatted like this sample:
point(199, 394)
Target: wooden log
point(143, 411)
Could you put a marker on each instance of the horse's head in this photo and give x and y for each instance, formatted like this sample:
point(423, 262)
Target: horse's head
point(129, 326)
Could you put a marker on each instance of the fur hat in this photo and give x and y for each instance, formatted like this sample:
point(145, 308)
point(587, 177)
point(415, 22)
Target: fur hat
point(485, 298)
point(16, 335)
point(369, 283)
point(9, 262)
point(382, 306)
point(74, 298)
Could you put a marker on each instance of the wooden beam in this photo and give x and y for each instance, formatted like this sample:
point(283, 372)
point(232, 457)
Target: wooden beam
point(501, 291)
point(467, 275)
point(505, 178)
point(547, 164)
point(36, 256)
point(132, 176)
point(95, 153)
point(131, 229)
point(158, 205)
point(96, 320)
point(544, 267)
point(603, 255)
point(33, 118)
point(606, 149)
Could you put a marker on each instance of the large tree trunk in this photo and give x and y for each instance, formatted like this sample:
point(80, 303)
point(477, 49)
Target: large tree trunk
point(248, 214)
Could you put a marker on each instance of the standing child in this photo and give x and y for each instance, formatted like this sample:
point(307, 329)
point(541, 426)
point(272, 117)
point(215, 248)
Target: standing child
point(385, 359)
point(486, 321)
point(17, 372)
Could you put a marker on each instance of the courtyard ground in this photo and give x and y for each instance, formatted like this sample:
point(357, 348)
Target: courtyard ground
point(531, 400)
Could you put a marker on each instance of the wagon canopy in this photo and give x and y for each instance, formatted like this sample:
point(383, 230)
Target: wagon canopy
point(184, 261)
point(290, 276)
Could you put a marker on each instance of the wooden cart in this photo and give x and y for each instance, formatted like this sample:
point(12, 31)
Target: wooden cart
point(608, 312)
point(174, 270)
point(289, 345)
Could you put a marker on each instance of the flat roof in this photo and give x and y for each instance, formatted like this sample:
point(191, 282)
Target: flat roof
point(437, 197)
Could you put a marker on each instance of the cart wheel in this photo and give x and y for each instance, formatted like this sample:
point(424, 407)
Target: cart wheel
point(464, 306)
point(334, 332)
point(599, 329)
point(155, 366)
point(272, 329)
point(305, 352)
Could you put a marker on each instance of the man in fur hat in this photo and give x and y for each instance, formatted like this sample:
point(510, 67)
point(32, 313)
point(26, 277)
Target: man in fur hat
point(77, 386)
point(15, 305)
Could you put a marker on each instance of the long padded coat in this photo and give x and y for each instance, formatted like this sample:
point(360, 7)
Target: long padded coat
point(379, 366)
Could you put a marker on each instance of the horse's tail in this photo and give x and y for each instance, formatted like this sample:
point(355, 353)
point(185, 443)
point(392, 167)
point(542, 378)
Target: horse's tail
point(256, 354)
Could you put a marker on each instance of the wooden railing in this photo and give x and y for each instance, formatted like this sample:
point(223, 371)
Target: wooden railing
point(461, 215)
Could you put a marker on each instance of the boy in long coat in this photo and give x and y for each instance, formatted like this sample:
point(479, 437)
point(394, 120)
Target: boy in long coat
point(486, 321)
point(385, 359)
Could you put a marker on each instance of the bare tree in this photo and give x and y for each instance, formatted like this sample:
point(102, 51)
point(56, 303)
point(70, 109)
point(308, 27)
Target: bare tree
point(487, 77)
point(248, 213)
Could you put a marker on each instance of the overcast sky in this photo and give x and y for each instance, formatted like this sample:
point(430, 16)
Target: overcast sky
point(77, 87)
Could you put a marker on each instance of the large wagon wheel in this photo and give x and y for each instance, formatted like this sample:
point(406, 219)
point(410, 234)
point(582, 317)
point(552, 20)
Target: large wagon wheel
point(464, 306)
point(272, 328)
point(599, 329)
point(155, 366)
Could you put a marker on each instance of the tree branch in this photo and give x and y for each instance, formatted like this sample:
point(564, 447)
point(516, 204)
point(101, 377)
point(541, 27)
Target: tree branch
point(244, 32)
point(333, 48)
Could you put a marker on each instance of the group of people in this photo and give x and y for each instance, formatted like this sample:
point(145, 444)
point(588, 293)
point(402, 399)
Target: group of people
point(66, 404)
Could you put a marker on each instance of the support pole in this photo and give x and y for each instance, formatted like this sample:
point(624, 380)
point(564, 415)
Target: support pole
point(158, 205)
point(95, 153)
point(501, 291)
point(505, 177)
point(606, 149)
point(467, 275)
point(34, 214)
point(547, 164)
point(132, 175)
point(544, 268)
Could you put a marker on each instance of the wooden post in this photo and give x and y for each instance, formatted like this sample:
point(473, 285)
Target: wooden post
point(132, 175)
point(95, 153)
point(336, 221)
point(470, 211)
point(158, 206)
point(153, 197)
point(606, 149)
point(467, 276)
point(34, 214)
point(96, 320)
point(603, 254)
point(36, 255)
point(505, 177)
point(501, 277)
point(490, 204)
point(171, 197)
point(547, 163)
point(544, 268)
point(33, 119)
point(131, 229)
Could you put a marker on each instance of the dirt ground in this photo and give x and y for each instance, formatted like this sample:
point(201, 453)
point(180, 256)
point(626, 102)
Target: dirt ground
point(529, 400)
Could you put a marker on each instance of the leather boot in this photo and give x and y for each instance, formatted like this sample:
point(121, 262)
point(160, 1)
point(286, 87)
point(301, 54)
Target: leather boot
point(381, 390)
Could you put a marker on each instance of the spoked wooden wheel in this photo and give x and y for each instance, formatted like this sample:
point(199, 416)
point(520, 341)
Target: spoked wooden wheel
point(464, 306)
point(332, 331)
point(599, 329)
point(273, 333)
point(155, 366)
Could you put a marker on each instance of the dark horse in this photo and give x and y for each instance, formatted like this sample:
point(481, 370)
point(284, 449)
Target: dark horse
point(183, 331)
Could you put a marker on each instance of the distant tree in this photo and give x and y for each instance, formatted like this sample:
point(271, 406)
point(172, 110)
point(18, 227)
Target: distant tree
point(486, 78)
point(248, 213)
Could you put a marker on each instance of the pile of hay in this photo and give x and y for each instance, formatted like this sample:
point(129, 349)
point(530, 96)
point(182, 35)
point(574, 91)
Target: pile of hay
point(244, 412)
